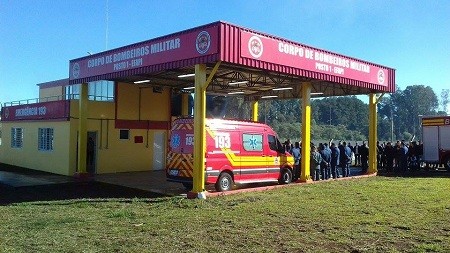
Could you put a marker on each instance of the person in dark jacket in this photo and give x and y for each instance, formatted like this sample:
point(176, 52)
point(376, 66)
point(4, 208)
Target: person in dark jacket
point(364, 152)
point(316, 159)
point(389, 152)
point(357, 154)
point(345, 159)
point(334, 160)
point(326, 160)
point(297, 154)
point(403, 157)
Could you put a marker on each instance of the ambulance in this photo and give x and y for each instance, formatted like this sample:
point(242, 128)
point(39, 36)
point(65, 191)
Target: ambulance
point(237, 152)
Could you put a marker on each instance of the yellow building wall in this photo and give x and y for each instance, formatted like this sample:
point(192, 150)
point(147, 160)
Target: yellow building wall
point(55, 161)
point(96, 109)
point(155, 106)
point(127, 98)
point(112, 154)
point(51, 94)
point(115, 155)
point(136, 103)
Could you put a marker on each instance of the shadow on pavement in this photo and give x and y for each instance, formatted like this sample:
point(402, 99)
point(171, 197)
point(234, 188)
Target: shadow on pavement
point(68, 191)
point(60, 188)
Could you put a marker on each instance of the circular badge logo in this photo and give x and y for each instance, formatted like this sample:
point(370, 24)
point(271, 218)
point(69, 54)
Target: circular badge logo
point(76, 70)
point(175, 141)
point(203, 42)
point(6, 112)
point(380, 76)
point(255, 46)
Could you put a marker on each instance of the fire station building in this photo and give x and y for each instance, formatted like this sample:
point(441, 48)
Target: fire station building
point(114, 111)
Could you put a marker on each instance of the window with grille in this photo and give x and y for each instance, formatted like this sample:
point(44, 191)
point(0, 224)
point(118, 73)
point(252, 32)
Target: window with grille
point(16, 137)
point(45, 139)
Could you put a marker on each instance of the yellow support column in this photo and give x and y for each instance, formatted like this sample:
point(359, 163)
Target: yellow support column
point(199, 131)
point(306, 132)
point(255, 111)
point(198, 177)
point(372, 134)
point(82, 129)
point(185, 104)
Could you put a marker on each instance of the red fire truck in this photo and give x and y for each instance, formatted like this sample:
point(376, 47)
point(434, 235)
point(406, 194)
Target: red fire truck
point(236, 152)
point(436, 140)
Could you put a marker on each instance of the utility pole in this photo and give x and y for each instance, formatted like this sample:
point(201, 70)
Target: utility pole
point(392, 126)
point(330, 114)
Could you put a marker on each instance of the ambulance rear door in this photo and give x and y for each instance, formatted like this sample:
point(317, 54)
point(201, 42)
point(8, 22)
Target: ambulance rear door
point(431, 143)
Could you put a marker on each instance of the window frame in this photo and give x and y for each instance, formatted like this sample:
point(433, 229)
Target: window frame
point(46, 137)
point(261, 144)
point(15, 137)
point(128, 134)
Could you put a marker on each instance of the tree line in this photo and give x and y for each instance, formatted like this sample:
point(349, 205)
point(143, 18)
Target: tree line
point(346, 117)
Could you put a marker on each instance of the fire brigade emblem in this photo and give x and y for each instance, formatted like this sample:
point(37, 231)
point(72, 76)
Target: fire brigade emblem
point(380, 76)
point(175, 141)
point(76, 70)
point(255, 46)
point(203, 42)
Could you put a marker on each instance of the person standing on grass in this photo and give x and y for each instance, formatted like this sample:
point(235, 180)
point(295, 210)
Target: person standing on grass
point(357, 154)
point(297, 154)
point(326, 160)
point(364, 152)
point(403, 157)
point(345, 159)
point(334, 160)
point(389, 152)
point(316, 159)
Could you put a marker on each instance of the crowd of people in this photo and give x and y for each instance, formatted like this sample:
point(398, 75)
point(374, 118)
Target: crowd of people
point(329, 160)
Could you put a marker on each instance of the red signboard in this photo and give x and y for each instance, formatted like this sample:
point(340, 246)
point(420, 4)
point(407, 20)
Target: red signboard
point(38, 111)
point(266, 49)
point(187, 45)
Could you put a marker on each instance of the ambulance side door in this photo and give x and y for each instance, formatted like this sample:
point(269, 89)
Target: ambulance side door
point(253, 163)
point(272, 158)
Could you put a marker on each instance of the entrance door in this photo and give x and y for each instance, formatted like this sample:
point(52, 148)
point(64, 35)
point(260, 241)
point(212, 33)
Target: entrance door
point(91, 158)
point(159, 151)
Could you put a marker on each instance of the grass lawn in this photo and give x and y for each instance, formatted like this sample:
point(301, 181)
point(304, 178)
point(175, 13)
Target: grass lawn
point(378, 214)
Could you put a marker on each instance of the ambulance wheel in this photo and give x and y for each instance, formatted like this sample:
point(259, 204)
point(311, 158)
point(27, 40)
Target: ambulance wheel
point(285, 177)
point(188, 186)
point(224, 182)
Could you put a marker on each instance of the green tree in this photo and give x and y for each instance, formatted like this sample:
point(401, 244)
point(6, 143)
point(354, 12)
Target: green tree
point(404, 108)
point(444, 99)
